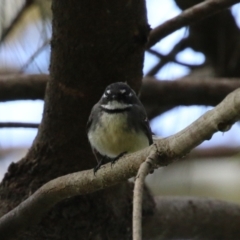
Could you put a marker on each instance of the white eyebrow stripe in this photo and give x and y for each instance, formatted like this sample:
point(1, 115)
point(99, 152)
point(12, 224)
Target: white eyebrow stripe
point(122, 91)
point(108, 91)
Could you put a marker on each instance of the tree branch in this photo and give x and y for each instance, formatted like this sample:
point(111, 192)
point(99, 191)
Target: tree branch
point(35, 54)
point(171, 58)
point(182, 44)
point(201, 218)
point(155, 94)
point(22, 87)
point(30, 211)
point(18, 125)
point(187, 17)
point(160, 96)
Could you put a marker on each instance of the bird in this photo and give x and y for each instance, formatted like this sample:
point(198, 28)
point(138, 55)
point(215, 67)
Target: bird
point(117, 125)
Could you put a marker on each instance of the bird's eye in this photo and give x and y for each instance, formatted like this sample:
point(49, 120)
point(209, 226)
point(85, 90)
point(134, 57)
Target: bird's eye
point(107, 93)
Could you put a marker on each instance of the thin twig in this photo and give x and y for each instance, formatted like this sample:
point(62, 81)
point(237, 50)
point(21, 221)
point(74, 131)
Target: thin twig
point(187, 17)
point(18, 125)
point(170, 58)
point(35, 54)
point(182, 44)
point(138, 196)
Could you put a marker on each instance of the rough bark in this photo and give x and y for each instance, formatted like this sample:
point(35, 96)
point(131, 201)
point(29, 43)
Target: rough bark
point(93, 44)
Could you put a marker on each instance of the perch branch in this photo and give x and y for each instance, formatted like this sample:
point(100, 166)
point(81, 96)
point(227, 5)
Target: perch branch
point(187, 17)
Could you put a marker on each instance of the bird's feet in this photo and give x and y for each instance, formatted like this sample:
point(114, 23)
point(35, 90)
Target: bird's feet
point(117, 157)
point(98, 165)
point(106, 159)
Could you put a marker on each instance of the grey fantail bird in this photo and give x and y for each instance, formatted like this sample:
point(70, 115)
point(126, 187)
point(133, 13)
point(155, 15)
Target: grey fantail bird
point(118, 124)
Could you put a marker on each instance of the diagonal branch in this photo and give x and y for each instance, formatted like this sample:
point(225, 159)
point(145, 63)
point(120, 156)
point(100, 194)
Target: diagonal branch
point(182, 44)
point(170, 58)
point(22, 11)
point(35, 54)
point(31, 211)
point(187, 17)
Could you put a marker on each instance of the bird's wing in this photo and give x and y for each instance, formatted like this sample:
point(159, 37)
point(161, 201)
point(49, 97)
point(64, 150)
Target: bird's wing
point(140, 111)
point(91, 117)
point(144, 122)
point(97, 155)
point(147, 130)
point(89, 122)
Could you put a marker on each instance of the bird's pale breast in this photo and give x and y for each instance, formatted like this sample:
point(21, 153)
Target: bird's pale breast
point(113, 136)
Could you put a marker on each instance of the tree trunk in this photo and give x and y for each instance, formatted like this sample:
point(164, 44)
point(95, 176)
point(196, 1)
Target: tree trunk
point(94, 44)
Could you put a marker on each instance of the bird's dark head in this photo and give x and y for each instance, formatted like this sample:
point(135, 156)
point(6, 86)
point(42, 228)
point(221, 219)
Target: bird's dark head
point(118, 96)
point(118, 92)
